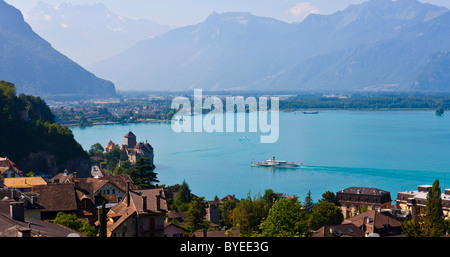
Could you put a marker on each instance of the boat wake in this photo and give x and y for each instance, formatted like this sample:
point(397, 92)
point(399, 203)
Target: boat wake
point(392, 173)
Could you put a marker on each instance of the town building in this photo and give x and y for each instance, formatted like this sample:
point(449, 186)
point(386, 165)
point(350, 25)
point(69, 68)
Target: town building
point(14, 221)
point(24, 184)
point(132, 148)
point(32, 209)
point(340, 230)
point(140, 214)
point(373, 222)
point(83, 196)
point(8, 169)
point(415, 201)
point(56, 197)
point(353, 199)
point(173, 230)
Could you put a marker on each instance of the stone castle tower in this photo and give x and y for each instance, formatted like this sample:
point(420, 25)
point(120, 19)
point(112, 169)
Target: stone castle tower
point(130, 140)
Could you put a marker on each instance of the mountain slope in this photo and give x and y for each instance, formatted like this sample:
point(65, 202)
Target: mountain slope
point(229, 50)
point(36, 68)
point(392, 64)
point(89, 33)
point(371, 46)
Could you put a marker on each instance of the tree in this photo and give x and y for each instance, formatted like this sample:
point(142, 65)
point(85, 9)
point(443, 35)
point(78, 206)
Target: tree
point(226, 213)
point(308, 206)
point(142, 173)
point(411, 228)
point(433, 225)
point(96, 150)
point(103, 222)
point(269, 196)
point(183, 198)
point(113, 157)
point(285, 218)
point(249, 214)
point(195, 215)
point(71, 221)
point(325, 214)
point(330, 197)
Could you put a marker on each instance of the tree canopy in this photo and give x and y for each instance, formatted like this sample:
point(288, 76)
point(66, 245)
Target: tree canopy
point(36, 133)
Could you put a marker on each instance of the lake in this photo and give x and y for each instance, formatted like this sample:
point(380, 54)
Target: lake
point(390, 150)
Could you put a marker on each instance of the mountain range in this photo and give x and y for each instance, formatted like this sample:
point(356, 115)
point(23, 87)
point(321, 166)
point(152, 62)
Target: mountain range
point(35, 67)
point(379, 45)
point(89, 33)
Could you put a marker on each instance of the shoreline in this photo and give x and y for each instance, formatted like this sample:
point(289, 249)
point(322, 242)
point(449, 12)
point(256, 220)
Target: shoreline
point(115, 123)
point(284, 111)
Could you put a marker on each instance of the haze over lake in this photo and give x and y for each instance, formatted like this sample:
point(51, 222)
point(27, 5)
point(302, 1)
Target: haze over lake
point(390, 150)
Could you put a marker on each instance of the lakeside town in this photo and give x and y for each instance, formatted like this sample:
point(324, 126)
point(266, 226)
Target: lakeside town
point(156, 107)
point(121, 198)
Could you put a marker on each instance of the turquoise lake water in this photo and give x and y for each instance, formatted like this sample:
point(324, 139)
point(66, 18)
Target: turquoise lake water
point(390, 150)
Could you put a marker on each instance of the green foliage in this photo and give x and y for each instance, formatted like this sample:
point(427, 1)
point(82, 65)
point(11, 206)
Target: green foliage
point(142, 173)
point(249, 214)
point(30, 174)
point(40, 133)
point(183, 198)
point(325, 214)
point(71, 221)
point(330, 197)
point(103, 221)
point(308, 206)
point(226, 213)
point(285, 218)
point(411, 228)
point(113, 157)
point(96, 150)
point(367, 101)
point(169, 192)
point(37, 108)
point(433, 225)
point(195, 215)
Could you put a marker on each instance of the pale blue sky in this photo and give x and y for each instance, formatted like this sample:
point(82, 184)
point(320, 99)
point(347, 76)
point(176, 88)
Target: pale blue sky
point(185, 12)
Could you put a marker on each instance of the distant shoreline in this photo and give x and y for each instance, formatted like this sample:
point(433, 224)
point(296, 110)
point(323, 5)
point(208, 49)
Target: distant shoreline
point(285, 111)
point(116, 123)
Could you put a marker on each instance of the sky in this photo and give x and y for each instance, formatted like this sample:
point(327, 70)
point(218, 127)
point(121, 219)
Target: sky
point(186, 12)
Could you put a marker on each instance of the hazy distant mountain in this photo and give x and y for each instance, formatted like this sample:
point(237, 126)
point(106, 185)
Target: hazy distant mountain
point(376, 45)
point(35, 67)
point(231, 50)
point(89, 33)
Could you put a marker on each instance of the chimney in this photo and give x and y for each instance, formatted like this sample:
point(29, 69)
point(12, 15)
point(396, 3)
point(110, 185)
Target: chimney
point(144, 202)
point(17, 211)
point(23, 231)
point(127, 194)
point(158, 203)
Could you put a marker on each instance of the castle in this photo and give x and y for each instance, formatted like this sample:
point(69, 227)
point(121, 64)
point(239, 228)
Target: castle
point(133, 149)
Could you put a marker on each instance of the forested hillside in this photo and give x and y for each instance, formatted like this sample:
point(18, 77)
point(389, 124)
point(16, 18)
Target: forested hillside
point(30, 136)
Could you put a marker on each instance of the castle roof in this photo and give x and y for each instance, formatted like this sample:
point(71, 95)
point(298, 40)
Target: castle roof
point(110, 145)
point(130, 134)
